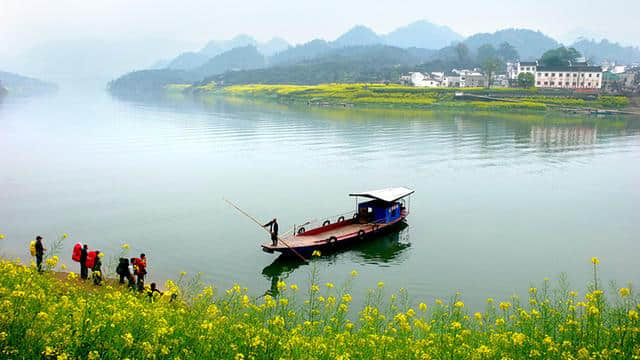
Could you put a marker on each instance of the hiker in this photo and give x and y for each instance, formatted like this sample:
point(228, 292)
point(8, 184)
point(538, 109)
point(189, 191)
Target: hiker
point(153, 289)
point(141, 266)
point(123, 270)
point(39, 252)
point(273, 229)
point(84, 271)
point(96, 270)
point(132, 273)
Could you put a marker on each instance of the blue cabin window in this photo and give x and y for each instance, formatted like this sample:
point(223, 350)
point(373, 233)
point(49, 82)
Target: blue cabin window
point(377, 211)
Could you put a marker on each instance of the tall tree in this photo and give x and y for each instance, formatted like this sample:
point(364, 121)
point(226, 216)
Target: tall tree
point(525, 80)
point(560, 56)
point(490, 67)
point(507, 52)
point(486, 52)
point(462, 51)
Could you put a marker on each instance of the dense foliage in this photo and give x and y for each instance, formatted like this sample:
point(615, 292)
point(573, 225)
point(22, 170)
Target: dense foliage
point(528, 43)
point(18, 85)
point(561, 56)
point(597, 52)
point(46, 317)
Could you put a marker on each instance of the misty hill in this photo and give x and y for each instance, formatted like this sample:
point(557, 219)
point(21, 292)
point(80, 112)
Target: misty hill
point(191, 60)
point(3, 91)
point(145, 82)
point(18, 85)
point(350, 64)
point(298, 53)
point(241, 58)
point(358, 35)
point(529, 44)
point(596, 52)
point(422, 34)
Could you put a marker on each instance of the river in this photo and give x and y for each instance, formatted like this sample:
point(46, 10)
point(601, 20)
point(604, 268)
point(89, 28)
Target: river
point(502, 200)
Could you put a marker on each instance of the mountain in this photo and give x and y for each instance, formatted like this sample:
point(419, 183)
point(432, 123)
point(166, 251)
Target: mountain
point(187, 60)
point(240, 58)
point(213, 48)
point(3, 91)
point(596, 52)
point(357, 36)
point(300, 53)
point(529, 44)
point(273, 46)
point(18, 85)
point(422, 34)
point(373, 63)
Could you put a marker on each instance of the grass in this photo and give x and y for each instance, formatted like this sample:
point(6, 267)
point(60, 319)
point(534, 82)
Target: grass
point(42, 316)
point(398, 96)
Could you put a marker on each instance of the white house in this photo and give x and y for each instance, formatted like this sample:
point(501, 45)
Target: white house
point(419, 79)
point(569, 77)
point(527, 67)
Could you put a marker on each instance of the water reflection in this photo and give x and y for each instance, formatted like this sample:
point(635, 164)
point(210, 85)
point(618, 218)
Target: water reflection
point(383, 250)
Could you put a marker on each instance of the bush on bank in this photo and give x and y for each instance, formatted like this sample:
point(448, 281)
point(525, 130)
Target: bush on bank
point(44, 317)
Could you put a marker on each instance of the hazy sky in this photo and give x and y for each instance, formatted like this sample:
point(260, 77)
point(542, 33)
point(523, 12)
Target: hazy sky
point(25, 23)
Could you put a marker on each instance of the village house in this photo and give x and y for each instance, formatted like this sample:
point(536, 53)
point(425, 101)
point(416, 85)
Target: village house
point(526, 67)
point(419, 79)
point(569, 77)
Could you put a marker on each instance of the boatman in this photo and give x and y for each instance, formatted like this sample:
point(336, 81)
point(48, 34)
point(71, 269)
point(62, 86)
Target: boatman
point(273, 229)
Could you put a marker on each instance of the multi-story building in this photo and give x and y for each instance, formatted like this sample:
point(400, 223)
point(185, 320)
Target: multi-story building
point(569, 77)
point(527, 67)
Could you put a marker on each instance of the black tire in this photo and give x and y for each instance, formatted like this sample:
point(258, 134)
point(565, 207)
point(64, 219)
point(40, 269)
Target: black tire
point(301, 230)
point(355, 216)
point(326, 222)
point(361, 234)
point(341, 219)
point(332, 241)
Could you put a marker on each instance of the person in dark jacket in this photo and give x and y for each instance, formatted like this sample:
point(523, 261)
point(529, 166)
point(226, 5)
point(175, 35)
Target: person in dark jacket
point(84, 271)
point(273, 229)
point(153, 289)
point(123, 270)
point(96, 271)
point(39, 252)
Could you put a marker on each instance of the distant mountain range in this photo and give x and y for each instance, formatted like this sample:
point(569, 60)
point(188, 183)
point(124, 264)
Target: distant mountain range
point(359, 54)
point(19, 85)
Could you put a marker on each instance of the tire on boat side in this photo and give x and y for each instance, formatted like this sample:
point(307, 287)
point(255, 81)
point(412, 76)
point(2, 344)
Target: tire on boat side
point(340, 219)
point(361, 234)
point(326, 222)
point(301, 230)
point(332, 241)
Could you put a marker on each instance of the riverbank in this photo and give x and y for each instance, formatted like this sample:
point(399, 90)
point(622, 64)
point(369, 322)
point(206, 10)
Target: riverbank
point(403, 97)
point(44, 316)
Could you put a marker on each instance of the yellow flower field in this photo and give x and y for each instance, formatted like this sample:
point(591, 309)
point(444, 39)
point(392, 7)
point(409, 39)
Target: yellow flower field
point(42, 316)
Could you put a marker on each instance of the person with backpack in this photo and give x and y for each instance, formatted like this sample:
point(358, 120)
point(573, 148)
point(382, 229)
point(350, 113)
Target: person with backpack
point(96, 273)
point(132, 272)
point(39, 250)
point(153, 289)
point(84, 271)
point(123, 270)
point(141, 270)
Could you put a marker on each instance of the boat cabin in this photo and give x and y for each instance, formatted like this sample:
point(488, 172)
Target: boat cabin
point(386, 205)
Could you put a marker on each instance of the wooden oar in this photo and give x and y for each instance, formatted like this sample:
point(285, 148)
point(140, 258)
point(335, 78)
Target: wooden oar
point(262, 227)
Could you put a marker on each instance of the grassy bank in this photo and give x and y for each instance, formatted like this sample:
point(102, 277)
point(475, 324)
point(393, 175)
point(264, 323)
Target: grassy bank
point(412, 97)
point(44, 317)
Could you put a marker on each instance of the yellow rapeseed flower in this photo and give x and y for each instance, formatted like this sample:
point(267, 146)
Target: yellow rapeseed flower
point(354, 273)
point(125, 246)
point(316, 253)
point(633, 315)
point(422, 307)
point(1, 236)
point(294, 287)
point(595, 261)
point(456, 325)
point(505, 305)
point(499, 321)
point(346, 298)
point(63, 267)
point(478, 316)
point(281, 286)
point(65, 235)
point(459, 304)
point(439, 302)
point(380, 284)
point(314, 288)
point(329, 285)
point(489, 300)
point(624, 292)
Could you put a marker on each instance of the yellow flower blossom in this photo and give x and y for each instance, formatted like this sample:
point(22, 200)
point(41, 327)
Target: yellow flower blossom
point(380, 284)
point(329, 285)
point(633, 315)
point(595, 261)
point(125, 246)
point(1, 236)
point(346, 298)
point(459, 304)
point(439, 302)
point(281, 286)
point(294, 287)
point(624, 292)
point(316, 253)
point(456, 325)
point(478, 316)
point(354, 273)
point(422, 307)
point(505, 305)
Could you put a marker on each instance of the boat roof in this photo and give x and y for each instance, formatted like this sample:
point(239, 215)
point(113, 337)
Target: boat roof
point(389, 194)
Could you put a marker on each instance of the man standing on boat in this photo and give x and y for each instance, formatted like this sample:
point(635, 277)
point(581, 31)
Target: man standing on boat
point(273, 229)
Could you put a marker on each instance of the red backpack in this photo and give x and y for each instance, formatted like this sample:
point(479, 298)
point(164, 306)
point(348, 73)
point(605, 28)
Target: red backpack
point(91, 259)
point(139, 266)
point(77, 251)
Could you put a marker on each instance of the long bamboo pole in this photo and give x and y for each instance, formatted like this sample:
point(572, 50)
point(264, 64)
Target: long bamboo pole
point(260, 224)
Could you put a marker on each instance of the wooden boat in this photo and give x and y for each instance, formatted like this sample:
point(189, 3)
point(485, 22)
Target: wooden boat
point(382, 210)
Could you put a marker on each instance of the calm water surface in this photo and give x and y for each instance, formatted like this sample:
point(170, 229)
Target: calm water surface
point(501, 201)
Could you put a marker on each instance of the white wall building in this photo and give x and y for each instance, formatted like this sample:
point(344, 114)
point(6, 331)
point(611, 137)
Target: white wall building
point(419, 79)
point(527, 67)
point(569, 77)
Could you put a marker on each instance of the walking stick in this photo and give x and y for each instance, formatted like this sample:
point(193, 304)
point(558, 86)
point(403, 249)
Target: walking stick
point(260, 224)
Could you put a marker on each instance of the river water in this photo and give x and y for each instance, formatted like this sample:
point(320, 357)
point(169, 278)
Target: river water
point(502, 200)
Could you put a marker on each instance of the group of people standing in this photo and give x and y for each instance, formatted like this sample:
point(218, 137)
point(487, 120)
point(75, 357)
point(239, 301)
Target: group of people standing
point(134, 269)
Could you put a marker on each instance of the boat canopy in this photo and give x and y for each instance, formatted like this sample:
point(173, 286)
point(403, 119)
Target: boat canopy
point(388, 194)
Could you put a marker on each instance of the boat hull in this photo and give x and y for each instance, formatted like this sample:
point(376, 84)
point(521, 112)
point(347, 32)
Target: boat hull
point(331, 238)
